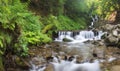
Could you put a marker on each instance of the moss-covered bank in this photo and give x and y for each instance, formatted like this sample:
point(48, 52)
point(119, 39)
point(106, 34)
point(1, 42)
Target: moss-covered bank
point(1, 64)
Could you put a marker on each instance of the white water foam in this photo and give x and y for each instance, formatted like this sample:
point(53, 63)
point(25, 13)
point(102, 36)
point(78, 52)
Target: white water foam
point(72, 66)
point(111, 59)
point(79, 37)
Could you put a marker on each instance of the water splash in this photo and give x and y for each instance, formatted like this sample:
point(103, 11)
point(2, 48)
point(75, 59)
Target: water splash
point(72, 66)
point(81, 36)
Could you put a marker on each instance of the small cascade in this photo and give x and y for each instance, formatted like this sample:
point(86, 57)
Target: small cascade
point(70, 65)
point(94, 19)
point(79, 36)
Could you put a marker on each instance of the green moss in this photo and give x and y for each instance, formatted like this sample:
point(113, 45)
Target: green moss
point(1, 64)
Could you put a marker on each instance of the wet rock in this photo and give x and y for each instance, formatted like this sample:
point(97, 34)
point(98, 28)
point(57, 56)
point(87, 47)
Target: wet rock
point(108, 27)
point(39, 60)
point(79, 59)
point(65, 58)
point(99, 52)
point(118, 26)
point(96, 32)
point(115, 68)
point(61, 53)
point(71, 58)
point(49, 59)
point(47, 46)
point(113, 35)
point(115, 32)
point(99, 43)
point(67, 40)
point(22, 63)
point(49, 68)
point(111, 40)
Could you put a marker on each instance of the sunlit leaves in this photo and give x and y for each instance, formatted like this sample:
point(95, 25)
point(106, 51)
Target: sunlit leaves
point(104, 7)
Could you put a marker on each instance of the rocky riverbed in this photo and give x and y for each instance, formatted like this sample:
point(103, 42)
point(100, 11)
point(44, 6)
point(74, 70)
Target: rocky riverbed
point(41, 58)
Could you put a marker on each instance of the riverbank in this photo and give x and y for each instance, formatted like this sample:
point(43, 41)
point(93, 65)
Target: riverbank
point(40, 56)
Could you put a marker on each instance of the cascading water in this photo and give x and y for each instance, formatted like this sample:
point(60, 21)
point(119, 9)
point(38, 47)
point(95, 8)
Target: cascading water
point(79, 36)
point(70, 62)
point(65, 65)
point(83, 50)
point(72, 66)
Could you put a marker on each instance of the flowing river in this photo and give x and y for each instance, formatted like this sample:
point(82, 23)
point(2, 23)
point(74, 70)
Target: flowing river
point(74, 50)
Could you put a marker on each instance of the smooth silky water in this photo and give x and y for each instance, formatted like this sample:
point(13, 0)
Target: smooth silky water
point(83, 49)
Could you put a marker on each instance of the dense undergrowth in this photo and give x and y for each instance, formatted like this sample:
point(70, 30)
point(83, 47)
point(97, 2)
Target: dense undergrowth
point(19, 28)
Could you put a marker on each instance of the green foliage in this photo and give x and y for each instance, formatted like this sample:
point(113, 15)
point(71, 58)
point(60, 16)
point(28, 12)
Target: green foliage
point(23, 27)
point(55, 23)
point(5, 40)
point(35, 38)
point(65, 23)
point(46, 7)
point(1, 64)
point(30, 38)
point(76, 6)
point(47, 27)
point(103, 7)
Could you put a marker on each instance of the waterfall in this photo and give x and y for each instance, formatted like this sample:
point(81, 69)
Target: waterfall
point(70, 66)
point(79, 36)
point(94, 19)
point(65, 65)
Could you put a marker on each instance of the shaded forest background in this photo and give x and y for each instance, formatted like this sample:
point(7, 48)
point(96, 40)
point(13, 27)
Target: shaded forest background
point(32, 22)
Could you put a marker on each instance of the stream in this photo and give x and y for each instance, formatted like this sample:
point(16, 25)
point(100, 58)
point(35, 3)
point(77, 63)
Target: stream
point(71, 52)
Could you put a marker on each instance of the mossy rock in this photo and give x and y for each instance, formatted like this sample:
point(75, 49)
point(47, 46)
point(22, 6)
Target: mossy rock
point(22, 63)
point(66, 40)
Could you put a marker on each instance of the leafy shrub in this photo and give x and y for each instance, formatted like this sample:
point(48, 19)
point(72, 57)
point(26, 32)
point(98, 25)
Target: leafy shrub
point(68, 24)
point(35, 38)
point(5, 40)
point(55, 23)
point(22, 25)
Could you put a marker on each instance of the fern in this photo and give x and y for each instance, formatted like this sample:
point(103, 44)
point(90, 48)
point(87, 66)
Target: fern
point(24, 27)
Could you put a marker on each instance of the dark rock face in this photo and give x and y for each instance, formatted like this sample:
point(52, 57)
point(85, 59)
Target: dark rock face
point(54, 35)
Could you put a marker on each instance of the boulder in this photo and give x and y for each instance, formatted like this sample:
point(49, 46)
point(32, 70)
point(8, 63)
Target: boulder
point(98, 42)
point(115, 68)
point(99, 52)
point(49, 68)
point(115, 32)
point(112, 37)
point(67, 40)
point(111, 40)
point(79, 59)
point(22, 63)
point(118, 25)
point(108, 27)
